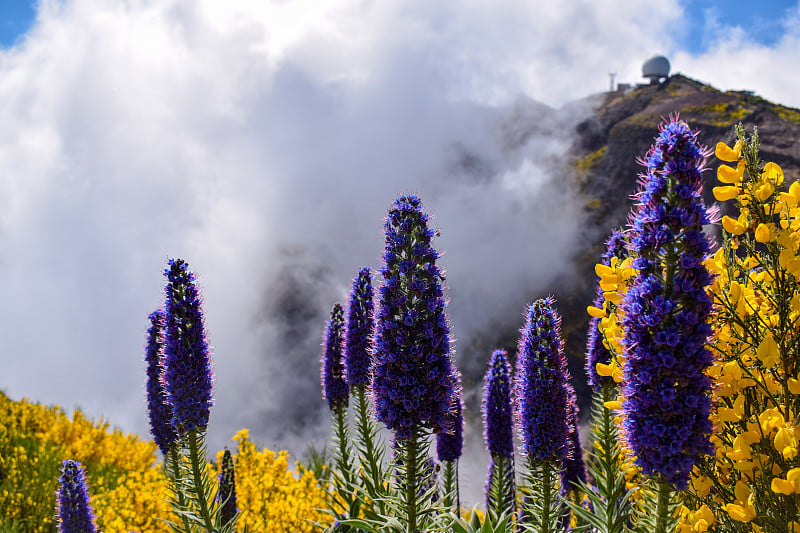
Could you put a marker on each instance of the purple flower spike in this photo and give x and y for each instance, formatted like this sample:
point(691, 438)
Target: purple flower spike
point(360, 322)
point(498, 433)
point(227, 488)
point(72, 500)
point(498, 420)
point(187, 366)
point(666, 403)
point(573, 470)
point(596, 352)
point(413, 371)
point(334, 386)
point(159, 410)
point(541, 383)
point(449, 445)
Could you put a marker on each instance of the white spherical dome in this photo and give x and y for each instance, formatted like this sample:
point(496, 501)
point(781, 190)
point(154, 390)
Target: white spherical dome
point(656, 67)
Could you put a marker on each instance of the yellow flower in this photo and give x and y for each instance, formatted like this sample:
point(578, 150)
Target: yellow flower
point(595, 312)
point(725, 192)
point(768, 351)
point(728, 154)
point(782, 486)
point(763, 233)
point(773, 173)
point(741, 513)
point(733, 226)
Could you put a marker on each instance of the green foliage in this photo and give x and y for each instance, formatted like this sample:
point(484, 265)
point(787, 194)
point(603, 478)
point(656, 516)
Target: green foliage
point(611, 509)
point(543, 511)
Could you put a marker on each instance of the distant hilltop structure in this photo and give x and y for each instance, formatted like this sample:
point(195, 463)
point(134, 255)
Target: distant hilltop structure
point(656, 69)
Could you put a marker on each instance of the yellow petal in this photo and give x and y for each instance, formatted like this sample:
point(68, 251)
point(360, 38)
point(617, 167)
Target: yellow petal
point(726, 153)
point(726, 174)
point(793, 475)
point(742, 491)
point(604, 369)
point(781, 486)
point(733, 226)
point(726, 192)
point(739, 513)
point(773, 173)
point(595, 312)
point(763, 234)
point(613, 405)
point(794, 386)
point(764, 191)
point(768, 351)
point(785, 438)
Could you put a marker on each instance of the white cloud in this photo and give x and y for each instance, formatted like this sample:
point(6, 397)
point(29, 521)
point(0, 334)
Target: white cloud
point(733, 60)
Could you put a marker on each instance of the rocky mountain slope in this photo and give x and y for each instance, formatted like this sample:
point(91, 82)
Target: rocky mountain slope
point(604, 172)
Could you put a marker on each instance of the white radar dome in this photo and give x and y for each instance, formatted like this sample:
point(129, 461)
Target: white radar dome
point(656, 68)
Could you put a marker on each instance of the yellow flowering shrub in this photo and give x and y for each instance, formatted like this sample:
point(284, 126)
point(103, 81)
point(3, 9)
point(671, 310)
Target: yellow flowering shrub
point(270, 496)
point(752, 483)
point(127, 488)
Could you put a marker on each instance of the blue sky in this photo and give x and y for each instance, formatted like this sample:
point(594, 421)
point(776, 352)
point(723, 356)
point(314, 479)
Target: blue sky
point(16, 18)
point(762, 21)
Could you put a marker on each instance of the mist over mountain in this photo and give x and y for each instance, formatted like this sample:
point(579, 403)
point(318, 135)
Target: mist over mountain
point(592, 163)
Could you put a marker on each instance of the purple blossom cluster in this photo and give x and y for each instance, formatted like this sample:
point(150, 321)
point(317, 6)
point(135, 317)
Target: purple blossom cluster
point(541, 385)
point(498, 421)
point(358, 336)
point(413, 372)
point(74, 514)
point(160, 411)
point(227, 489)
point(666, 403)
point(596, 352)
point(187, 366)
point(450, 444)
point(334, 386)
point(498, 427)
point(573, 470)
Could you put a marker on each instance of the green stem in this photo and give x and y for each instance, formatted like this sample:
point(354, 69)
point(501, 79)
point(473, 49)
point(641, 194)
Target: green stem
point(447, 497)
point(546, 503)
point(177, 482)
point(410, 461)
point(458, 493)
point(197, 478)
point(662, 508)
point(367, 435)
point(344, 454)
point(609, 459)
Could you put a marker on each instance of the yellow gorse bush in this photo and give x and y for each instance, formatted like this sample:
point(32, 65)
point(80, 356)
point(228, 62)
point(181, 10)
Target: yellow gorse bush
point(270, 496)
point(127, 489)
point(753, 481)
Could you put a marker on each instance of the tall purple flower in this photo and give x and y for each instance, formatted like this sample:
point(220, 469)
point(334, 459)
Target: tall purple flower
point(413, 371)
point(358, 336)
point(227, 489)
point(596, 352)
point(498, 420)
point(187, 366)
point(450, 444)
point(541, 383)
point(73, 511)
point(334, 386)
point(666, 404)
point(573, 470)
point(498, 434)
point(158, 408)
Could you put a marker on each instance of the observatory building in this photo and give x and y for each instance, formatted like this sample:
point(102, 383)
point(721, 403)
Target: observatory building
point(656, 69)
